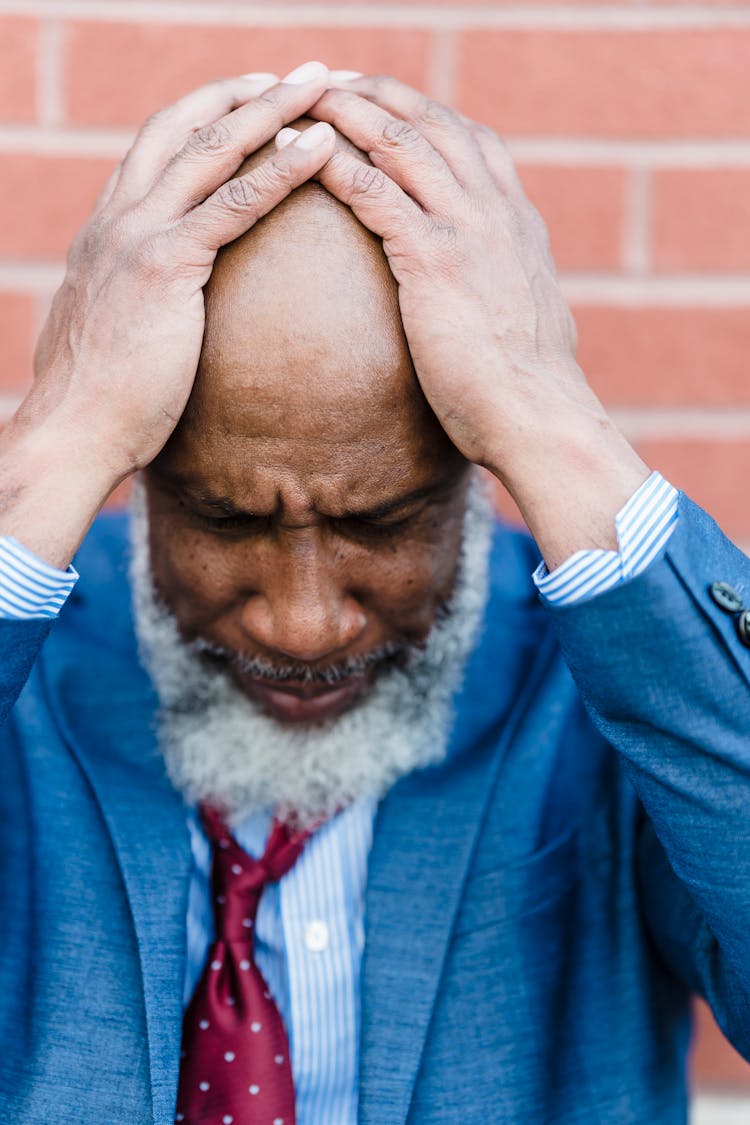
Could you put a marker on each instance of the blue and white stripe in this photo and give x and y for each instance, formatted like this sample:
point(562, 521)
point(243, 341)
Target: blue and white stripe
point(309, 939)
point(30, 588)
point(644, 526)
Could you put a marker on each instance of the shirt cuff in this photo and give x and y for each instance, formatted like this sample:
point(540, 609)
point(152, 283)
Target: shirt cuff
point(644, 526)
point(30, 588)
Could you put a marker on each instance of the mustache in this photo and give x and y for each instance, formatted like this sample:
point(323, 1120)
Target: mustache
point(394, 652)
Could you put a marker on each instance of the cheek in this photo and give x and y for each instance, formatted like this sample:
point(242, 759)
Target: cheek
point(408, 584)
point(189, 573)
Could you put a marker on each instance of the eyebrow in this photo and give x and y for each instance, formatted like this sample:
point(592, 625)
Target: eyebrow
point(227, 507)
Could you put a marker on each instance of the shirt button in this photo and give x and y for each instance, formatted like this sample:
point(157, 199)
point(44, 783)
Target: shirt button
point(316, 936)
point(726, 597)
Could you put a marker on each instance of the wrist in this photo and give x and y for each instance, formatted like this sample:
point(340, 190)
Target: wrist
point(55, 480)
point(57, 432)
point(569, 470)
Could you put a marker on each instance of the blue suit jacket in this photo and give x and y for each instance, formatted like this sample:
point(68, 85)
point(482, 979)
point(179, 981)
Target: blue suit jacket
point(538, 907)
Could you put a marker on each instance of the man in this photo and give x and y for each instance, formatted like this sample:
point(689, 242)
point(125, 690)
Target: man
point(473, 903)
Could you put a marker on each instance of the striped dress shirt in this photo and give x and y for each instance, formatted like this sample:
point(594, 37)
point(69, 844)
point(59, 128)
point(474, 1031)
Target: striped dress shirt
point(310, 926)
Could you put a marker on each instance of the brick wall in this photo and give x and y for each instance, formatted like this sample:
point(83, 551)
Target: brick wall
point(630, 123)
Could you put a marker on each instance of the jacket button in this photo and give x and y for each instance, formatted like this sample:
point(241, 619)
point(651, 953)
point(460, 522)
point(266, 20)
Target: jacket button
point(726, 597)
point(743, 627)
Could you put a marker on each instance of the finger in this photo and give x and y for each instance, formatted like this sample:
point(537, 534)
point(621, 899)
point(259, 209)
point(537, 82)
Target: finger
point(213, 154)
point(498, 160)
point(165, 132)
point(107, 191)
point(443, 127)
point(379, 203)
point(394, 146)
point(238, 204)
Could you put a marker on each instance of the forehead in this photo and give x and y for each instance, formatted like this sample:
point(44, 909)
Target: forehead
point(309, 436)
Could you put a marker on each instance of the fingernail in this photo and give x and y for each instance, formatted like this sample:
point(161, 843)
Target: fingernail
point(315, 136)
point(344, 75)
point(259, 83)
point(308, 72)
point(285, 137)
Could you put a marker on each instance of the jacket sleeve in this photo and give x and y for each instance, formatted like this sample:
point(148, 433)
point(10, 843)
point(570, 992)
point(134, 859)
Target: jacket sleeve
point(20, 642)
point(666, 677)
point(32, 594)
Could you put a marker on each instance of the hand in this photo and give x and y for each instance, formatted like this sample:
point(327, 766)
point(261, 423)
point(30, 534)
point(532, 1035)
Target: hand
point(491, 337)
point(120, 349)
point(117, 358)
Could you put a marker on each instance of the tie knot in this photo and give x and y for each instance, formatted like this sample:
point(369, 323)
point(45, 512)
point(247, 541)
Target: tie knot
point(238, 879)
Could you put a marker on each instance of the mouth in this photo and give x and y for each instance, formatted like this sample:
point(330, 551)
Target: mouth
point(299, 703)
point(300, 694)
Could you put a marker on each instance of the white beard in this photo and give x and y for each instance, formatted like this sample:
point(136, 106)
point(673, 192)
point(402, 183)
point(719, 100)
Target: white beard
point(221, 748)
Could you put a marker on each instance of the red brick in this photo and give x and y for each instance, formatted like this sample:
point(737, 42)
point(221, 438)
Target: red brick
point(119, 73)
point(505, 507)
point(583, 209)
point(18, 47)
point(713, 473)
point(666, 356)
point(120, 497)
point(715, 1061)
point(651, 83)
point(44, 200)
point(17, 334)
point(701, 219)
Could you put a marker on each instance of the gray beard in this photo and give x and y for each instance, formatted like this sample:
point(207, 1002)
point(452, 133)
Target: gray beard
point(220, 747)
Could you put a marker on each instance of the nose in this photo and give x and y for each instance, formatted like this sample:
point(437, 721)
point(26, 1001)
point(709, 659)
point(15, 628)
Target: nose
point(301, 608)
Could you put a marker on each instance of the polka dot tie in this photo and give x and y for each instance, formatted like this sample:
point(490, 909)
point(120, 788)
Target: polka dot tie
point(235, 1066)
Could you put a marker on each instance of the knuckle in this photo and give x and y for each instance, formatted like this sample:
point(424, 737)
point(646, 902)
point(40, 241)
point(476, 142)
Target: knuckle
point(147, 258)
point(214, 137)
point(241, 194)
point(433, 113)
point(399, 134)
point(447, 250)
point(275, 174)
point(367, 180)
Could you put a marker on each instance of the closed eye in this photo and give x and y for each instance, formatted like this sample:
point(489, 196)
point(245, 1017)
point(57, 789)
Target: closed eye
point(356, 527)
point(246, 524)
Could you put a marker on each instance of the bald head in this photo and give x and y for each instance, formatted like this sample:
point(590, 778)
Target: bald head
point(304, 307)
point(305, 385)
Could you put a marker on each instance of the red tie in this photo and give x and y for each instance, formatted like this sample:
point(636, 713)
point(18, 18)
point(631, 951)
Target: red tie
point(235, 1052)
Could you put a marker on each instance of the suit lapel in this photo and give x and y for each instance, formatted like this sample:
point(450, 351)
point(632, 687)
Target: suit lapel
point(105, 706)
point(425, 836)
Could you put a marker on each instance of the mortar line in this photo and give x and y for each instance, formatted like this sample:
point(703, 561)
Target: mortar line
point(637, 224)
point(202, 13)
point(443, 66)
point(49, 79)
